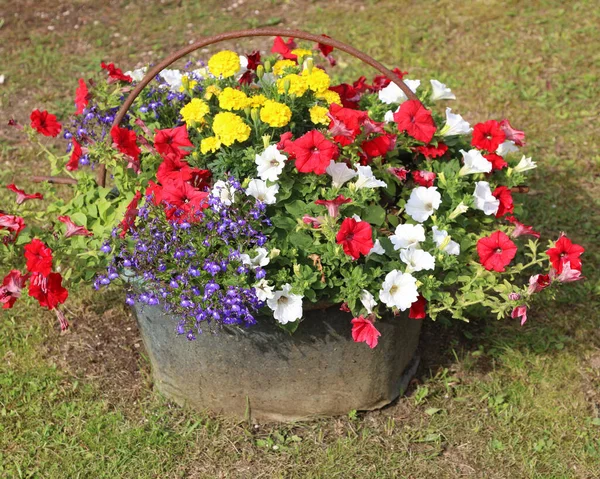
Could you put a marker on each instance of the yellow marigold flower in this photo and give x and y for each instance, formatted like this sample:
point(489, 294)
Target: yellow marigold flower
point(187, 83)
point(229, 128)
point(257, 100)
point(281, 65)
point(302, 52)
point(318, 115)
point(231, 99)
point(317, 80)
point(211, 90)
point(329, 96)
point(224, 64)
point(298, 84)
point(210, 144)
point(275, 114)
point(193, 113)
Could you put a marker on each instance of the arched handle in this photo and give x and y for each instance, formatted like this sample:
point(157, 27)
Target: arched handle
point(256, 32)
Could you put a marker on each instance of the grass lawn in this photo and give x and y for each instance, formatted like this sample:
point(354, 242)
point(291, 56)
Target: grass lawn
point(492, 399)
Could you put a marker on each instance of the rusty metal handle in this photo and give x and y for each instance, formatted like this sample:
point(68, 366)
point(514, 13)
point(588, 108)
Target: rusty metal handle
point(256, 32)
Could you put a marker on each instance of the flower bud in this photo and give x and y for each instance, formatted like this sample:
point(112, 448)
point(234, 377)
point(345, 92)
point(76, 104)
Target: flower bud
point(459, 210)
point(254, 115)
point(267, 66)
point(266, 138)
point(309, 63)
point(260, 71)
point(286, 85)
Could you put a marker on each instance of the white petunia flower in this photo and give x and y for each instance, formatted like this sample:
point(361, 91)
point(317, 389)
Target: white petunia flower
point(407, 235)
point(506, 148)
point(261, 259)
point(366, 178)
point(286, 306)
point(474, 163)
point(340, 173)
point(398, 290)
point(262, 192)
point(224, 191)
point(263, 290)
point(417, 259)
point(138, 74)
point(173, 79)
point(455, 125)
point(389, 115)
point(243, 67)
point(525, 164)
point(376, 249)
point(443, 241)
point(270, 163)
point(393, 94)
point(356, 218)
point(367, 300)
point(440, 91)
point(484, 200)
point(423, 202)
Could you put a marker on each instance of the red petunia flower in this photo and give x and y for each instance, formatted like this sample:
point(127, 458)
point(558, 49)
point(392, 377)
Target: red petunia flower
point(333, 206)
point(496, 160)
point(496, 251)
point(82, 97)
point(313, 152)
point(356, 237)
point(172, 169)
point(155, 191)
point(22, 196)
point(253, 60)
point(125, 141)
point(415, 120)
point(381, 81)
point(424, 178)
point(39, 257)
point(363, 331)
point(503, 194)
point(516, 136)
point(325, 49)
point(247, 77)
point(286, 144)
point(538, 282)
point(128, 221)
point(183, 202)
point(73, 229)
point(348, 94)
point(399, 173)
point(565, 250)
point(49, 291)
point(44, 123)
point(284, 48)
point(520, 228)
point(10, 291)
point(76, 155)
point(115, 74)
point(13, 224)
point(345, 123)
point(417, 309)
point(488, 136)
point(170, 141)
point(200, 179)
point(378, 146)
point(431, 151)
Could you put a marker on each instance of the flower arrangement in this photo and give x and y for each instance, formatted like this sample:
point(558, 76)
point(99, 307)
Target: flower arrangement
point(252, 189)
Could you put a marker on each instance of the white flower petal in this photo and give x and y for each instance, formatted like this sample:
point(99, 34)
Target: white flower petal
point(455, 125)
point(474, 163)
point(423, 202)
point(270, 163)
point(399, 290)
point(525, 164)
point(340, 173)
point(377, 248)
point(484, 200)
point(440, 91)
point(367, 300)
point(366, 178)
point(262, 192)
point(440, 239)
point(506, 148)
point(417, 259)
point(393, 94)
point(407, 235)
point(286, 306)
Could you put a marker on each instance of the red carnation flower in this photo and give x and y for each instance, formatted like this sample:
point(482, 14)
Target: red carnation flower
point(565, 250)
point(82, 96)
point(125, 140)
point(76, 155)
point(496, 160)
point(521, 229)
point(516, 136)
point(345, 123)
point(284, 48)
point(170, 141)
point(39, 257)
point(313, 152)
point(503, 194)
point(432, 151)
point(496, 251)
point(333, 206)
point(424, 178)
point(356, 237)
point(22, 196)
point(115, 74)
point(363, 331)
point(128, 221)
point(488, 136)
point(10, 291)
point(416, 120)
point(172, 169)
point(13, 224)
point(417, 309)
point(73, 229)
point(49, 291)
point(44, 123)
point(183, 201)
point(378, 146)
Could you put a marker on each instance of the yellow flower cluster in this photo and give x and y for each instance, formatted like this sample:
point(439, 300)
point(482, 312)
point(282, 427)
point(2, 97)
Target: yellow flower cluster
point(231, 99)
point(318, 115)
point(187, 83)
point(302, 52)
point(194, 112)
point(275, 114)
point(211, 90)
point(210, 144)
point(224, 64)
point(296, 84)
point(329, 96)
point(317, 80)
point(229, 128)
point(281, 65)
point(257, 100)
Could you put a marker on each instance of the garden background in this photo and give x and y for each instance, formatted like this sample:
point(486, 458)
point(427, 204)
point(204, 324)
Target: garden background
point(492, 399)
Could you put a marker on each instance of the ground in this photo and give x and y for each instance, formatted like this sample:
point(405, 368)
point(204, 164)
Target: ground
point(491, 399)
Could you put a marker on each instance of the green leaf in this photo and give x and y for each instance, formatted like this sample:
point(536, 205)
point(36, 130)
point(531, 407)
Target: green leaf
point(284, 222)
point(301, 240)
point(296, 208)
point(375, 215)
point(432, 410)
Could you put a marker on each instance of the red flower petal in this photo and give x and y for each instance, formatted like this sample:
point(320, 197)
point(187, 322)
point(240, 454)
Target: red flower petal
point(415, 120)
point(496, 251)
point(44, 123)
point(39, 257)
point(363, 331)
point(356, 237)
point(488, 136)
point(313, 152)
